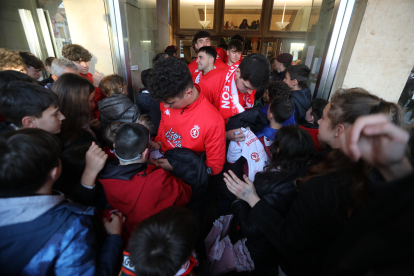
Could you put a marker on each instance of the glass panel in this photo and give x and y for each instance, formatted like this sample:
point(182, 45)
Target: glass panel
point(186, 50)
point(286, 45)
point(406, 100)
point(196, 14)
point(60, 28)
point(242, 14)
point(291, 15)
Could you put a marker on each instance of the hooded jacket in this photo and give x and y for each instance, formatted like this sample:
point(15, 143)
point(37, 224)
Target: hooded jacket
point(145, 101)
point(118, 108)
point(302, 101)
point(46, 234)
point(140, 191)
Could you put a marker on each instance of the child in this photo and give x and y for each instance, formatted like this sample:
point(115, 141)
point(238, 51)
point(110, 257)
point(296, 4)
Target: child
point(134, 187)
point(145, 120)
point(34, 66)
point(42, 232)
point(144, 100)
point(108, 136)
point(163, 244)
point(296, 78)
point(234, 51)
point(312, 117)
point(117, 107)
point(48, 64)
point(27, 105)
point(279, 111)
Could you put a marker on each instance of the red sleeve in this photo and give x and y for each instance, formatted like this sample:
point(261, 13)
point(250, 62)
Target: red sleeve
point(175, 190)
point(161, 126)
point(99, 96)
point(215, 144)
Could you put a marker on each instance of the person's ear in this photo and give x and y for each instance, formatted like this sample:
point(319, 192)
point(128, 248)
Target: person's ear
point(146, 153)
point(295, 82)
point(113, 145)
point(238, 72)
point(228, 52)
point(188, 93)
point(29, 122)
point(54, 173)
point(311, 119)
point(339, 129)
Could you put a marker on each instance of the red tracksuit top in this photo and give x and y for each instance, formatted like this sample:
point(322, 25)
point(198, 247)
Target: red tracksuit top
point(198, 127)
point(314, 134)
point(145, 194)
point(212, 85)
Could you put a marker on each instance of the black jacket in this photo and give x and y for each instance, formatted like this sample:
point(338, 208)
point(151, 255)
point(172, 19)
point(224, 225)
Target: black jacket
point(252, 117)
point(118, 108)
point(276, 76)
point(144, 101)
point(302, 101)
point(46, 81)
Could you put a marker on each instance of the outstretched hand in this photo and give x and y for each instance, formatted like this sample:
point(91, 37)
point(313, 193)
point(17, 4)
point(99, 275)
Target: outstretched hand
point(378, 142)
point(243, 190)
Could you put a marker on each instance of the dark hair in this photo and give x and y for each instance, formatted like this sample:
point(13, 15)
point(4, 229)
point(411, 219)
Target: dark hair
point(300, 73)
point(209, 51)
point(20, 99)
point(131, 140)
point(236, 44)
point(281, 108)
point(171, 53)
point(292, 149)
point(278, 88)
point(184, 60)
point(26, 158)
point(145, 120)
point(73, 164)
point(318, 106)
point(31, 60)
point(109, 134)
point(255, 68)
point(49, 60)
point(162, 243)
point(239, 37)
point(76, 52)
point(201, 34)
point(73, 92)
point(144, 77)
point(11, 75)
point(223, 46)
point(159, 57)
point(169, 79)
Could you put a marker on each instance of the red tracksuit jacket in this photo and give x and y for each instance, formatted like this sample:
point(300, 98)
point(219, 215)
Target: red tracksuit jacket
point(198, 127)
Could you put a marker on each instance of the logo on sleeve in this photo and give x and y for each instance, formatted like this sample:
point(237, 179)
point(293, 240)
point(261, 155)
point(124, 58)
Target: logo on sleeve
point(167, 111)
point(195, 131)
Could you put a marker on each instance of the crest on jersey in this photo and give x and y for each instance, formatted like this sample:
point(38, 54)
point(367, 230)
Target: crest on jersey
point(195, 131)
point(167, 111)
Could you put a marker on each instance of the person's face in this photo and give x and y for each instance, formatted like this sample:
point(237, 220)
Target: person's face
point(201, 42)
point(51, 120)
point(278, 66)
point(243, 85)
point(289, 81)
point(21, 69)
point(203, 61)
point(308, 116)
point(326, 132)
point(266, 96)
point(91, 101)
point(83, 66)
point(176, 103)
point(274, 64)
point(233, 55)
point(34, 73)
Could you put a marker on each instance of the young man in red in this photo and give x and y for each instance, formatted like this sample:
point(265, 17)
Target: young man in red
point(232, 89)
point(81, 57)
point(188, 120)
point(206, 58)
point(201, 39)
point(234, 51)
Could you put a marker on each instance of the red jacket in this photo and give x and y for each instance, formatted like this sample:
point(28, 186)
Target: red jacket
point(98, 96)
point(218, 93)
point(314, 134)
point(140, 191)
point(198, 127)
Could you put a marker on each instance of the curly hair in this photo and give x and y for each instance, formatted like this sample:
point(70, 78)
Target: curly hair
point(278, 88)
point(111, 85)
point(76, 52)
point(169, 79)
point(10, 60)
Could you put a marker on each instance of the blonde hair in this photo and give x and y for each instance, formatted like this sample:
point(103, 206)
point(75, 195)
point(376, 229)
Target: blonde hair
point(112, 84)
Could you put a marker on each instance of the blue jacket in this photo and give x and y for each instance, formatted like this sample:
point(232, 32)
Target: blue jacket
point(47, 235)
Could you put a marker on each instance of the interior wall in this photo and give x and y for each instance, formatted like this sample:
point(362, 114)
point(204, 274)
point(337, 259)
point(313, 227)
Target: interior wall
point(382, 56)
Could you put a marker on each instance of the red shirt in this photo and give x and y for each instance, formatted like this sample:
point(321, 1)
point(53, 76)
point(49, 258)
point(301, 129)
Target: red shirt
point(198, 127)
point(98, 96)
point(221, 93)
point(314, 134)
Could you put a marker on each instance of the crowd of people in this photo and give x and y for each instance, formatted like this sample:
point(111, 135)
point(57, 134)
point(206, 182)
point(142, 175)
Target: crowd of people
point(96, 182)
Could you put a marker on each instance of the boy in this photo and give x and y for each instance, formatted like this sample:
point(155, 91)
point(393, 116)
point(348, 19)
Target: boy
point(27, 105)
point(42, 232)
point(34, 66)
point(206, 58)
point(188, 120)
point(312, 117)
point(136, 188)
point(48, 64)
point(296, 78)
point(108, 137)
point(163, 244)
point(232, 89)
point(81, 57)
point(279, 111)
point(279, 65)
point(234, 51)
point(201, 39)
point(10, 60)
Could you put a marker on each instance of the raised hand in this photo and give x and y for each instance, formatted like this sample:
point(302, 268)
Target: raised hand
point(95, 161)
point(243, 190)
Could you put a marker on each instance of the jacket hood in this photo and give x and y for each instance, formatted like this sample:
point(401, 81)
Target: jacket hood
point(115, 106)
point(113, 170)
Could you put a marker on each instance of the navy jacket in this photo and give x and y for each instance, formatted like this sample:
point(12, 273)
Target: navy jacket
point(302, 101)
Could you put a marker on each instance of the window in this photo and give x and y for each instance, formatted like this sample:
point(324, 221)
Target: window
point(242, 14)
point(292, 15)
point(196, 14)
